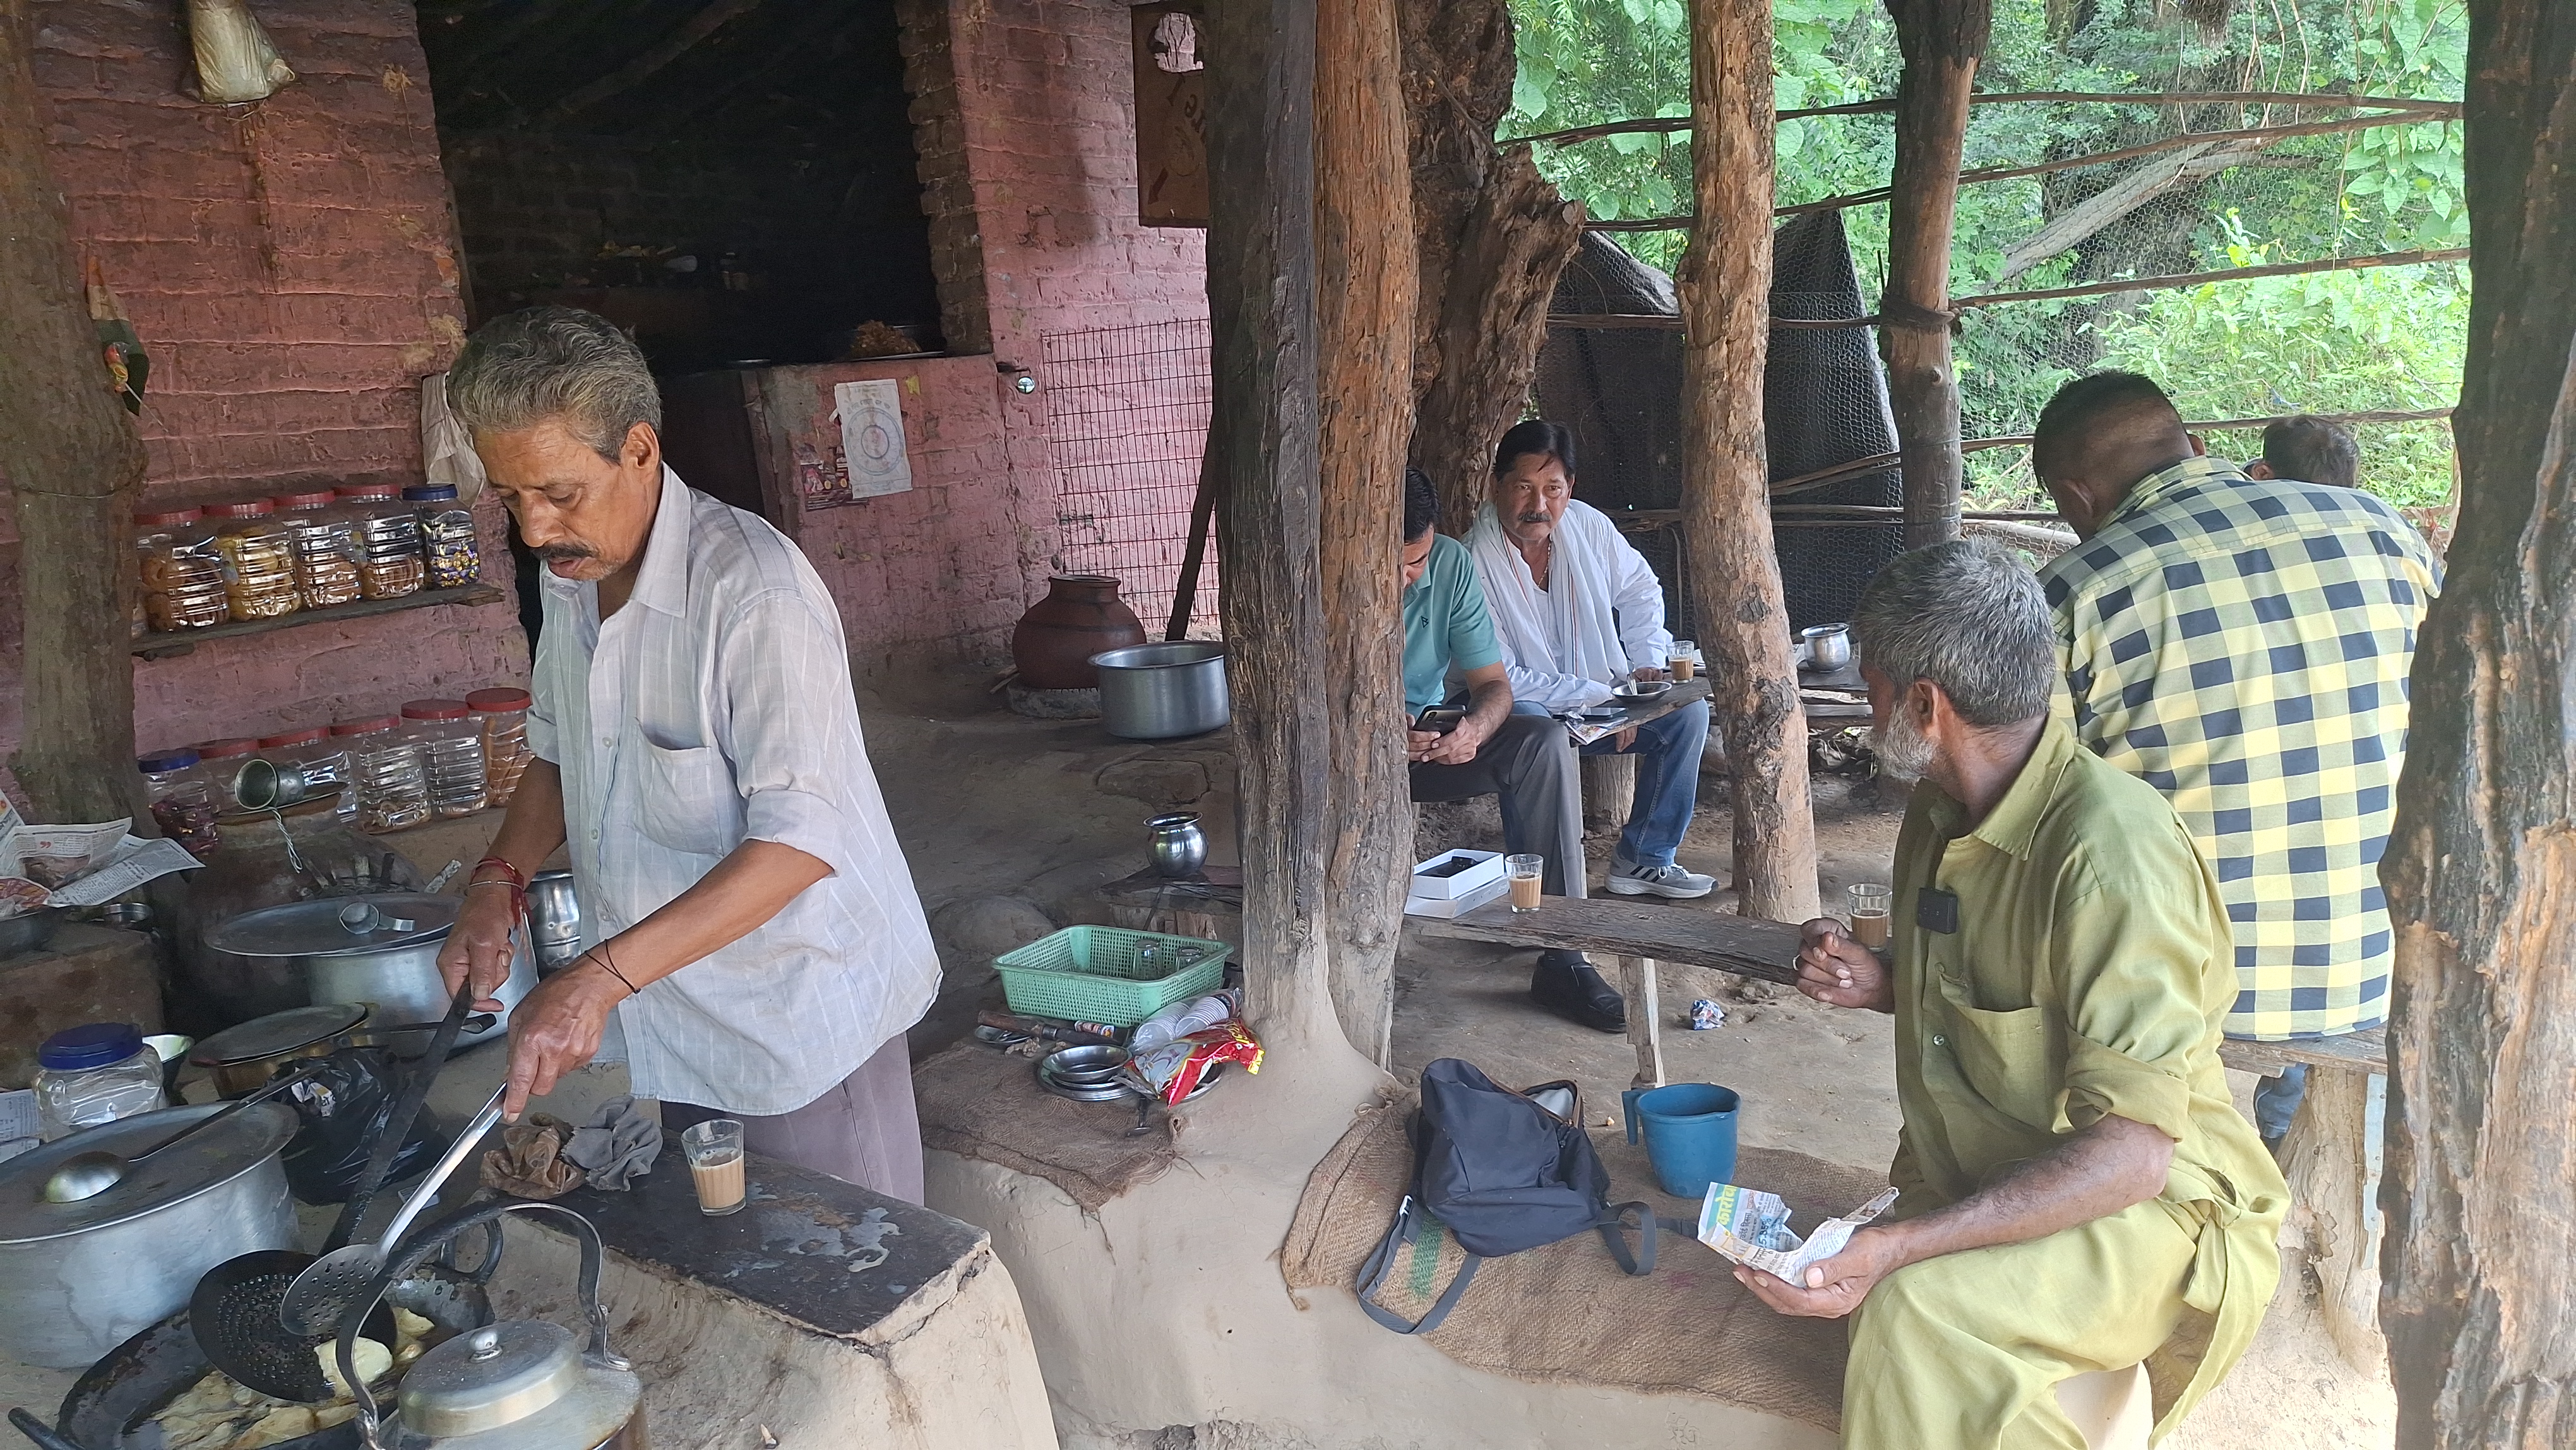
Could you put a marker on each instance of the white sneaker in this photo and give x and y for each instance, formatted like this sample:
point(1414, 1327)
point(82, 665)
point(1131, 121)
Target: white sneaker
point(1673, 881)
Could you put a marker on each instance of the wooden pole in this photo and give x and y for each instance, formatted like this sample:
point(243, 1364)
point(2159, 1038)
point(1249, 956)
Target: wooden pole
point(1365, 282)
point(2477, 1301)
point(1726, 523)
point(72, 458)
point(1261, 323)
point(1942, 40)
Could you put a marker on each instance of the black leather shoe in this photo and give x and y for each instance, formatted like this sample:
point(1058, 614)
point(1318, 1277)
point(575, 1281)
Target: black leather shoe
point(1574, 991)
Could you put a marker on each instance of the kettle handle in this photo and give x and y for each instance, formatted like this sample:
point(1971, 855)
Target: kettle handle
point(437, 1239)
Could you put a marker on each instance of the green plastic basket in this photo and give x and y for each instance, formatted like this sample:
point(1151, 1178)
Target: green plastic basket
point(1091, 974)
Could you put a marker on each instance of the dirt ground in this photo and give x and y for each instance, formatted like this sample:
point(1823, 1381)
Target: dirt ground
point(1005, 820)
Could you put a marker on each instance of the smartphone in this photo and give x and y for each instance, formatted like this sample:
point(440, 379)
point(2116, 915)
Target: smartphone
point(1439, 719)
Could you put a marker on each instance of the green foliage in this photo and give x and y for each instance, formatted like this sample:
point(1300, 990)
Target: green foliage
point(2336, 342)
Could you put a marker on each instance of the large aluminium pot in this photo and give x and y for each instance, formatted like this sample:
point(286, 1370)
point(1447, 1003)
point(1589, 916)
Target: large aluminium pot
point(77, 1278)
point(252, 868)
point(380, 949)
point(1163, 691)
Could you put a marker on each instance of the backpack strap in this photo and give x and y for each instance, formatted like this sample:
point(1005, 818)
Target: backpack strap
point(1381, 1261)
point(1641, 1263)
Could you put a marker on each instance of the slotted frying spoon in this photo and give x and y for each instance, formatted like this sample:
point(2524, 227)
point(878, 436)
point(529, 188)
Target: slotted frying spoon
point(337, 1282)
point(234, 1313)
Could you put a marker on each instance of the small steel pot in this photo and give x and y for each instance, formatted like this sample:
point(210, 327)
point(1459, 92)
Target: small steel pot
point(1828, 646)
point(1163, 691)
point(79, 1277)
point(1179, 847)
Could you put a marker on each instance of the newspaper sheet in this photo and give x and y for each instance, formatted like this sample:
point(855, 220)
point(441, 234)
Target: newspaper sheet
point(1751, 1228)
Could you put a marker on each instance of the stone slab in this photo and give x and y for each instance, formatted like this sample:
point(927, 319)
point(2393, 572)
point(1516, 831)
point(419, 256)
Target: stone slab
point(88, 974)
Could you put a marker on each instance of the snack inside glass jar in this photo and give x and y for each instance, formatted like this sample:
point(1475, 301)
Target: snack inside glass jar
point(317, 534)
point(450, 739)
point(447, 540)
point(258, 561)
point(386, 534)
point(180, 798)
point(503, 714)
point(181, 574)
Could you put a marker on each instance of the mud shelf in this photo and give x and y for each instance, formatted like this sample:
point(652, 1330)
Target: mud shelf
point(166, 646)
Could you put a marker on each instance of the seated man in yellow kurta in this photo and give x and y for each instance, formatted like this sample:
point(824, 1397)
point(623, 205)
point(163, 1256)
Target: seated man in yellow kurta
point(2079, 1193)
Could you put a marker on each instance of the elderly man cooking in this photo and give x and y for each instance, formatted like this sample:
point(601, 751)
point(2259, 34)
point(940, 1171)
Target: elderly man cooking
point(1577, 610)
point(751, 922)
point(2078, 1190)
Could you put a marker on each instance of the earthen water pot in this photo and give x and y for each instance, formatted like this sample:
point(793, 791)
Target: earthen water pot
point(1081, 616)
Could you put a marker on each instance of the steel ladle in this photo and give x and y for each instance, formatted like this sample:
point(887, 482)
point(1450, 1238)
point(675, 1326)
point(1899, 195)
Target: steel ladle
point(87, 1175)
point(338, 1280)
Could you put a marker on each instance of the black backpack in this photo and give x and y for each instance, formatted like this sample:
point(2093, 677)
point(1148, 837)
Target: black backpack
point(1501, 1173)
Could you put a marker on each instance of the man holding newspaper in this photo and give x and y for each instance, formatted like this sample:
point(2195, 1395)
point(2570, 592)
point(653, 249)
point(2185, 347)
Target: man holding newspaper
point(2076, 1190)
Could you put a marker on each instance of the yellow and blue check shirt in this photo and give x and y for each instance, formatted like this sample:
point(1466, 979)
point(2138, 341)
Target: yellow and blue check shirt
point(2242, 645)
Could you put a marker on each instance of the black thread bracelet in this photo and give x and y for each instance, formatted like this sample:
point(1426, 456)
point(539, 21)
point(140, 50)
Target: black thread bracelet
point(601, 954)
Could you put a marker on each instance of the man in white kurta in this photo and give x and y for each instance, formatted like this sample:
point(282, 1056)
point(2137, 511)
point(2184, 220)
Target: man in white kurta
point(749, 918)
point(1577, 610)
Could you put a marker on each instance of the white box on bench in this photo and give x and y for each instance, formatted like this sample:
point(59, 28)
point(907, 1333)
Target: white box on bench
point(1456, 905)
point(1483, 868)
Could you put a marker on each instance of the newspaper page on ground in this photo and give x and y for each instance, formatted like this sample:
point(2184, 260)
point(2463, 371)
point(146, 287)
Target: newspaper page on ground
point(1751, 1228)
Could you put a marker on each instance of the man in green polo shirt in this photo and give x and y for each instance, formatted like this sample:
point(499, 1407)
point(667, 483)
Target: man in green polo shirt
point(1526, 760)
point(2079, 1192)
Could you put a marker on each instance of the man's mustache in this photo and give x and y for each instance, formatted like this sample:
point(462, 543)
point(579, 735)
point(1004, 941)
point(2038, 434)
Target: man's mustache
point(552, 553)
point(1539, 518)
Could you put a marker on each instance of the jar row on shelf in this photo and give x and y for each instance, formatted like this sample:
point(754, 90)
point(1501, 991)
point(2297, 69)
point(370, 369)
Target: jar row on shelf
point(435, 758)
point(265, 557)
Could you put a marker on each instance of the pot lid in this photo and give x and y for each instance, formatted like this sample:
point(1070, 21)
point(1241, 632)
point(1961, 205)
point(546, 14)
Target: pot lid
point(337, 925)
point(203, 1161)
point(278, 1034)
point(490, 1377)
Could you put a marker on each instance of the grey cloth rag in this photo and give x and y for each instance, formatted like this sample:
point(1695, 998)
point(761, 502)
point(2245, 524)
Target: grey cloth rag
point(617, 1145)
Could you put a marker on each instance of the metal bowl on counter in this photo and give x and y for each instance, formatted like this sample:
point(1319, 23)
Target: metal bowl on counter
point(1163, 691)
point(1088, 1074)
point(79, 1277)
point(1637, 690)
point(380, 948)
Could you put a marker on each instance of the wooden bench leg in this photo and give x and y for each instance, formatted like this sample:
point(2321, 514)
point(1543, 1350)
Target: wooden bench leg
point(1645, 1019)
point(2328, 1159)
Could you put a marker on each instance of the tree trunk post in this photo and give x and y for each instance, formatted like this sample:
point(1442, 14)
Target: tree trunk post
point(1365, 280)
point(2481, 867)
point(70, 453)
point(2326, 1158)
point(1261, 312)
point(1942, 41)
point(1491, 237)
point(1726, 515)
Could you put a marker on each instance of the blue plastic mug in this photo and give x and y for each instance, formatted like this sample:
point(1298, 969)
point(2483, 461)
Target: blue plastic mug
point(1690, 1134)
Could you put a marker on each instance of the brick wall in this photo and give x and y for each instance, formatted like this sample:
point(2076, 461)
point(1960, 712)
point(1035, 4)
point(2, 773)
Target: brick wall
point(289, 267)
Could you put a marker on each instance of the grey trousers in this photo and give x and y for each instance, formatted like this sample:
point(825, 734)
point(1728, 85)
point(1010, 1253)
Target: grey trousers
point(1530, 763)
point(862, 1130)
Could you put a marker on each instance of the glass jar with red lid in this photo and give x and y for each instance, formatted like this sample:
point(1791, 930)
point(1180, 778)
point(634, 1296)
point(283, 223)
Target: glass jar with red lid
point(326, 559)
point(386, 534)
point(316, 759)
point(393, 791)
point(258, 560)
point(223, 760)
point(182, 574)
point(451, 752)
point(503, 714)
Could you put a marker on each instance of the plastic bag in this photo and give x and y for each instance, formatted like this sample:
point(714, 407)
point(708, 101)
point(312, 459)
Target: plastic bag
point(445, 446)
point(235, 61)
point(1173, 1070)
point(343, 1103)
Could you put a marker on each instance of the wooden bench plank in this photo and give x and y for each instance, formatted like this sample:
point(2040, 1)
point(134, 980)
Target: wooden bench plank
point(1768, 951)
point(1740, 944)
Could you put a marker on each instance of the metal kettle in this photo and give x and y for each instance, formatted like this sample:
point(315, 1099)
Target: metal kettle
point(519, 1384)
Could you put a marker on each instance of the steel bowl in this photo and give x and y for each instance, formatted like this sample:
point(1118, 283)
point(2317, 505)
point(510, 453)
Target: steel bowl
point(1828, 646)
point(1090, 1065)
point(32, 932)
point(1643, 689)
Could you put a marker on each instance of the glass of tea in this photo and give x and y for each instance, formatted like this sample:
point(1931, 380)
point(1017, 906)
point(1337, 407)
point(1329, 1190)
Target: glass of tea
point(1870, 908)
point(1524, 874)
point(714, 1150)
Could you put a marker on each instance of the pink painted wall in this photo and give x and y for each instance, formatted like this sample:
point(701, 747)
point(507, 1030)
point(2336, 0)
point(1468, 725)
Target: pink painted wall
point(289, 267)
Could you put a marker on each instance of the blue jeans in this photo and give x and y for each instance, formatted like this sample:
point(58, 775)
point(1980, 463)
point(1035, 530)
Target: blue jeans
point(2277, 1099)
point(1667, 781)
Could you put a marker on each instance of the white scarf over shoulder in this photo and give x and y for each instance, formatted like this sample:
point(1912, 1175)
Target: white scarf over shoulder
point(1601, 616)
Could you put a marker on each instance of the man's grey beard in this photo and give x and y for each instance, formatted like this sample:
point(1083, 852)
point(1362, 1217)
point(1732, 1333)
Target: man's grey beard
point(1904, 751)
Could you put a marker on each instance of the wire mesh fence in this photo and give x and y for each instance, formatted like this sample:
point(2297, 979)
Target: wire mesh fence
point(1127, 420)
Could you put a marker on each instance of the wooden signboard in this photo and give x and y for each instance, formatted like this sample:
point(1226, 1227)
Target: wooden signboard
point(1171, 115)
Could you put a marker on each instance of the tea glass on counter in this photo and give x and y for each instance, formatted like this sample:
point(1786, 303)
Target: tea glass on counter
point(714, 1151)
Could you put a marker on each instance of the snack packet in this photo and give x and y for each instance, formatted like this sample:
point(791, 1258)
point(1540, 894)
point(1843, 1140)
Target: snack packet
point(1750, 1227)
point(1174, 1069)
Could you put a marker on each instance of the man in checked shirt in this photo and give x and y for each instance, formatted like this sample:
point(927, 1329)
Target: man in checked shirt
point(2243, 646)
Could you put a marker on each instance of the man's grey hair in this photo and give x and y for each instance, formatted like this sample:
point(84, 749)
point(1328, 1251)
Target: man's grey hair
point(557, 363)
point(1969, 617)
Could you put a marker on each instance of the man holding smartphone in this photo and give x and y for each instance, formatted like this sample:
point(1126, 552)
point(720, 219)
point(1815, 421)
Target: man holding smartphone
point(1471, 744)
